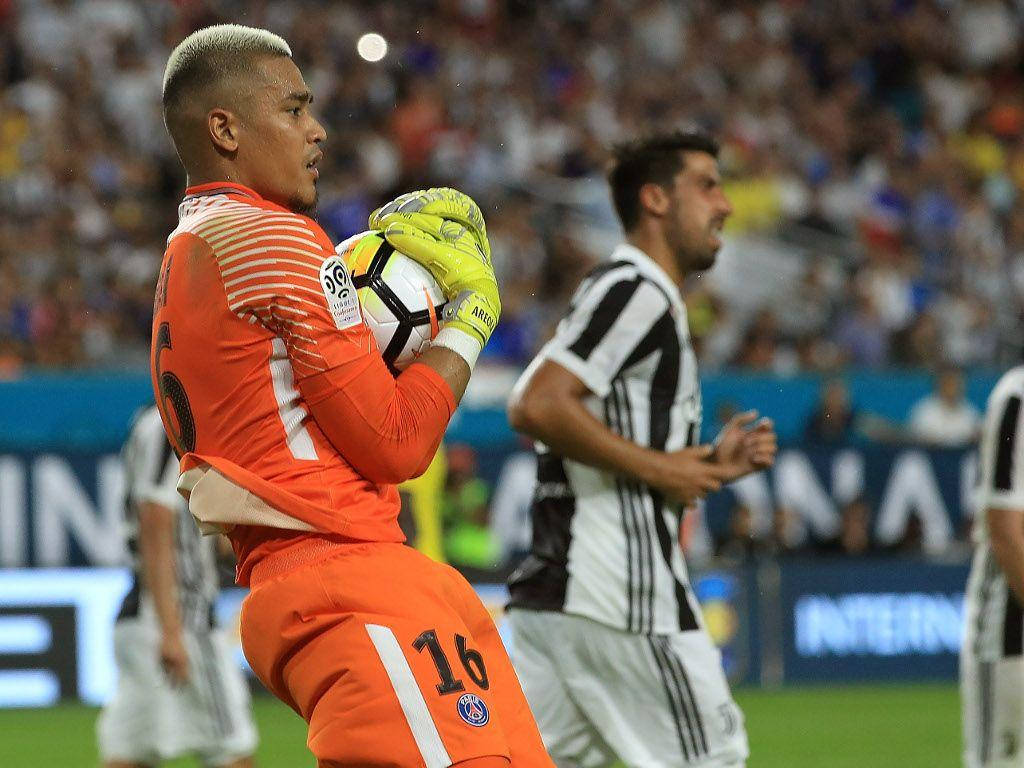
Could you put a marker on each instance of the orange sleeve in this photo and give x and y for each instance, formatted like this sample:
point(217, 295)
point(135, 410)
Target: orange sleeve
point(294, 285)
point(387, 430)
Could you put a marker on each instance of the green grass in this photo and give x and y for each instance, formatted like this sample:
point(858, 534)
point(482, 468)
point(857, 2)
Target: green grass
point(853, 727)
point(842, 727)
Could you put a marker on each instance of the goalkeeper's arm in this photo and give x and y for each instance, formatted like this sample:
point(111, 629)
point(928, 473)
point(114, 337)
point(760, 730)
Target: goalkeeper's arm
point(391, 435)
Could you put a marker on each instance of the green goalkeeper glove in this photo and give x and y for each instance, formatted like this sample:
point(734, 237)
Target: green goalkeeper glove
point(443, 230)
point(448, 203)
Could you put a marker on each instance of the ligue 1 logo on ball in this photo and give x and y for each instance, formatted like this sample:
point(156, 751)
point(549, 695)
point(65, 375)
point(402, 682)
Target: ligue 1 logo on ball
point(473, 710)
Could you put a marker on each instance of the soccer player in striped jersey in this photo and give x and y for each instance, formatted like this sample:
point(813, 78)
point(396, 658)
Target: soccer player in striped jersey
point(179, 691)
point(608, 638)
point(992, 657)
point(293, 433)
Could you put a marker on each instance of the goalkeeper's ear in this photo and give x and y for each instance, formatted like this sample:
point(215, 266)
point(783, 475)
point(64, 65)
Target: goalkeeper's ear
point(222, 127)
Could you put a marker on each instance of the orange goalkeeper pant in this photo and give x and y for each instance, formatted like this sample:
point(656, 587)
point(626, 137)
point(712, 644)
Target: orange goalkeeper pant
point(389, 656)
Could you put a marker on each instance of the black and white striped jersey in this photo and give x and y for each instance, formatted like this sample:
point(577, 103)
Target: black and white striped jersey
point(995, 618)
point(151, 475)
point(604, 546)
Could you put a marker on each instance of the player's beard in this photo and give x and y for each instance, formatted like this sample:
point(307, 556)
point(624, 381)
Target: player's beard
point(306, 209)
point(690, 255)
point(703, 259)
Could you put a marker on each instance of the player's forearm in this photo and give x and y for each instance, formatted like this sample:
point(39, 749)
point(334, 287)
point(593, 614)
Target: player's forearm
point(570, 430)
point(388, 429)
point(450, 366)
point(158, 565)
point(1006, 532)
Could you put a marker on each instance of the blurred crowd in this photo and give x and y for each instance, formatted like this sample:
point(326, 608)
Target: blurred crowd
point(874, 151)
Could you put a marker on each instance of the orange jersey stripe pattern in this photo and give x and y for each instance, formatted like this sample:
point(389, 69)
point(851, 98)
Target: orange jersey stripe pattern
point(241, 321)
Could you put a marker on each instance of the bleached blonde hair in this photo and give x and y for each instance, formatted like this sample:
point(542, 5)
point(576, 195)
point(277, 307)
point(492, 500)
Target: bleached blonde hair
point(211, 53)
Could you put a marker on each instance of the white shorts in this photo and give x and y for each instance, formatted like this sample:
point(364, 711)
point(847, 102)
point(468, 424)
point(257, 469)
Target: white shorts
point(148, 720)
point(600, 694)
point(992, 670)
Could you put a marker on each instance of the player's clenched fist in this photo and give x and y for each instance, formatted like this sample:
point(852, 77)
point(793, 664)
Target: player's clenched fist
point(687, 474)
point(443, 230)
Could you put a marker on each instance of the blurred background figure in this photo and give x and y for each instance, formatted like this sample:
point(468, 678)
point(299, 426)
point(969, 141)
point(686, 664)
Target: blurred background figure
point(422, 498)
point(945, 417)
point(832, 421)
point(854, 537)
point(468, 540)
point(179, 689)
point(740, 542)
point(510, 504)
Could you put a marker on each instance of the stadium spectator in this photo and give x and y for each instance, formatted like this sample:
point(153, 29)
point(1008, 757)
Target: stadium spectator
point(854, 536)
point(871, 130)
point(740, 542)
point(945, 418)
point(832, 421)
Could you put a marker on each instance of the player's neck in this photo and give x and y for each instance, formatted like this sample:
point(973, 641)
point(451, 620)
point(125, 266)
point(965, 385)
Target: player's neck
point(195, 177)
point(659, 252)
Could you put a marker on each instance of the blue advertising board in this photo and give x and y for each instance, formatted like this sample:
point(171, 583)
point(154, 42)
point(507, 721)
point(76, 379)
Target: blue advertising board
point(776, 622)
point(91, 411)
point(64, 508)
point(870, 619)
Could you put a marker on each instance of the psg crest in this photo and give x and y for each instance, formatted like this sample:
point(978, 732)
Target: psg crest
point(473, 710)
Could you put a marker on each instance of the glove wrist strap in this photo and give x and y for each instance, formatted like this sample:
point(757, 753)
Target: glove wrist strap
point(466, 346)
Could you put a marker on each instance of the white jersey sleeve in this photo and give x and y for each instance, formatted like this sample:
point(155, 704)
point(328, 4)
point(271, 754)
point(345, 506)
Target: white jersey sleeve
point(1002, 445)
point(610, 317)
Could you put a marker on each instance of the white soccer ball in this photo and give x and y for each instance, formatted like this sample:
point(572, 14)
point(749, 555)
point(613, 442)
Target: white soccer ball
point(401, 301)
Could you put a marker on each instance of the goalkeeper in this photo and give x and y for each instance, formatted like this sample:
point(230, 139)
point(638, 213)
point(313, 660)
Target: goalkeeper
point(292, 433)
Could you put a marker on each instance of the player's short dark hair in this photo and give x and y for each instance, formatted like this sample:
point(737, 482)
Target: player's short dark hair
point(653, 159)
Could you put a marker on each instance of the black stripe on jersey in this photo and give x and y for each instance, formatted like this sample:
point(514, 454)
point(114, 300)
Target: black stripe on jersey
point(687, 621)
point(664, 384)
point(634, 557)
point(680, 672)
point(634, 496)
point(165, 456)
point(604, 316)
point(541, 580)
point(130, 603)
point(634, 567)
point(1013, 626)
point(691, 435)
point(593, 276)
point(653, 341)
point(1006, 445)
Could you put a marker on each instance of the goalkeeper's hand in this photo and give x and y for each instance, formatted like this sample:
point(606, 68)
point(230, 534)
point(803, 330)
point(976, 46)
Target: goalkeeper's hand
point(443, 230)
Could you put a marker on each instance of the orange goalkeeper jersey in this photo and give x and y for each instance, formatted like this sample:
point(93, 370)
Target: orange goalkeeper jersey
point(267, 377)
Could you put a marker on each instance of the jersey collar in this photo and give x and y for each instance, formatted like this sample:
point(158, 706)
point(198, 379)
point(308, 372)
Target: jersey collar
point(219, 188)
point(647, 265)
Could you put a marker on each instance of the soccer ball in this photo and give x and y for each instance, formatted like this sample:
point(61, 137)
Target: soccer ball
point(400, 299)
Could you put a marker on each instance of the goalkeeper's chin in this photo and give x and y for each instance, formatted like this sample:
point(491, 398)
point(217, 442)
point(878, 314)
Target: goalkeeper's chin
point(305, 205)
